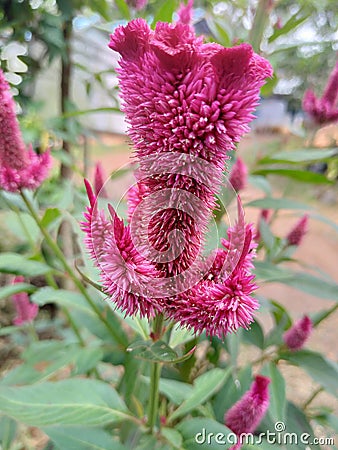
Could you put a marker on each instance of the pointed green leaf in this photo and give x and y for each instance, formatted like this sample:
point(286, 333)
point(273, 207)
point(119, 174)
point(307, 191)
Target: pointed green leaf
point(204, 387)
point(157, 351)
point(20, 265)
point(68, 402)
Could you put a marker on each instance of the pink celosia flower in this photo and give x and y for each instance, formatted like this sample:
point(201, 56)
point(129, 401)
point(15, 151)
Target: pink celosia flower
point(185, 12)
point(246, 414)
point(323, 110)
point(221, 302)
point(124, 272)
point(296, 336)
point(184, 97)
point(137, 4)
point(99, 180)
point(19, 168)
point(25, 310)
point(297, 233)
point(187, 104)
point(238, 175)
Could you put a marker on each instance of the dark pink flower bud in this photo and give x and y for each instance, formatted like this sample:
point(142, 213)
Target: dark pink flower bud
point(246, 414)
point(323, 110)
point(278, 25)
point(19, 167)
point(99, 180)
point(137, 4)
point(185, 12)
point(296, 336)
point(25, 310)
point(238, 175)
point(298, 232)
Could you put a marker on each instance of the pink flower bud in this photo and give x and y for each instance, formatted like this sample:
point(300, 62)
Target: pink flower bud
point(19, 168)
point(25, 310)
point(238, 175)
point(137, 4)
point(99, 179)
point(246, 414)
point(185, 12)
point(296, 336)
point(298, 232)
point(323, 110)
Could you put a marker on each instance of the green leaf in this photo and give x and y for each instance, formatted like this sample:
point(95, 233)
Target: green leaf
point(268, 87)
point(20, 265)
point(277, 392)
point(232, 390)
point(81, 438)
point(7, 291)
point(8, 429)
point(176, 391)
point(123, 8)
point(165, 11)
point(277, 203)
point(260, 183)
point(205, 386)
point(297, 423)
point(50, 216)
point(173, 437)
point(67, 402)
point(157, 351)
point(320, 368)
point(100, 6)
point(299, 280)
point(267, 236)
point(195, 434)
point(291, 24)
point(304, 176)
point(62, 297)
point(180, 336)
point(254, 335)
point(299, 156)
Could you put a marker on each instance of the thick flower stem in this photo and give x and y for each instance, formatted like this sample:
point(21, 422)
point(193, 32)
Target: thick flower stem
point(58, 253)
point(155, 377)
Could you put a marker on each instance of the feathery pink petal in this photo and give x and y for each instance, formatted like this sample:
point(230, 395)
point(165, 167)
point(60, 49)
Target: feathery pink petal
point(246, 414)
point(297, 233)
point(185, 12)
point(296, 336)
point(124, 272)
point(99, 180)
point(25, 310)
point(238, 175)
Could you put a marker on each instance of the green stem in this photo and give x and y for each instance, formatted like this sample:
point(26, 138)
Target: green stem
point(58, 253)
point(312, 397)
point(155, 377)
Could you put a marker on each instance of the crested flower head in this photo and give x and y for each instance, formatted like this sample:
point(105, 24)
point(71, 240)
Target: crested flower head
point(187, 104)
point(99, 180)
point(296, 336)
point(297, 233)
point(25, 310)
point(20, 168)
point(323, 110)
point(238, 175)
point(245, 415)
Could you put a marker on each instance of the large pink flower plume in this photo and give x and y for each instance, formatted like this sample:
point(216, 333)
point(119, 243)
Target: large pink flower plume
point(187, 104)
point(20, 168)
